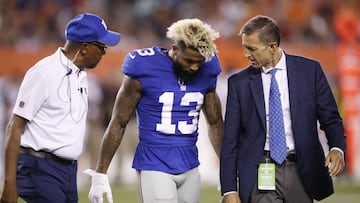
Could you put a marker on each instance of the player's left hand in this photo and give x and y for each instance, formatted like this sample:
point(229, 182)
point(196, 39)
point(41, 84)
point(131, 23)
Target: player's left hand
point(335, 162)
point(99, 186)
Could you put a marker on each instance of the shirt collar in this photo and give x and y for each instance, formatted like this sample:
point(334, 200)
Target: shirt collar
point(280, 65)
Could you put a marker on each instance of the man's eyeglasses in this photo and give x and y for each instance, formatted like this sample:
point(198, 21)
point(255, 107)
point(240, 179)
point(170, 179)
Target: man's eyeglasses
point(101, 46)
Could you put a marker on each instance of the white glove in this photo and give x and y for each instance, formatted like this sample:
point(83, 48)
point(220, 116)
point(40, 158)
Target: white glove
point(99, 186)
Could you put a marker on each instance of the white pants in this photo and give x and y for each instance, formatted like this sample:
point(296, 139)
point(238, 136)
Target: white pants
point(160, 187)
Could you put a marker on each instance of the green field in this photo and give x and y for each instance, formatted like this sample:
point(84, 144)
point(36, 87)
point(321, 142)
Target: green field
point(345, 192)
point(131, 195)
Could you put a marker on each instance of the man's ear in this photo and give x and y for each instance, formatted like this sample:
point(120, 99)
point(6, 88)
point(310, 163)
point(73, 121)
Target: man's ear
point(83, 48)
point(272, 47)
point(175, 47)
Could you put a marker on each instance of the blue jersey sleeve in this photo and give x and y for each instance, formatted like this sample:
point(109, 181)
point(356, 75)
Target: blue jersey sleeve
point(209, 72)
point(132, 64)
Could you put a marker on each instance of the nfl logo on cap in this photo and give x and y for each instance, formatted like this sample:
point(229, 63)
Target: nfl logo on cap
point(89, 28)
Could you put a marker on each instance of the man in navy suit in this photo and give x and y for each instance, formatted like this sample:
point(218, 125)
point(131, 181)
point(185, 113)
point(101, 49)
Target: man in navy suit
point(248, 171)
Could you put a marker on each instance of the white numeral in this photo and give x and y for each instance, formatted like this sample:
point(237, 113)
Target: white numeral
point(146, 52)
point(167, 99)
point(165, 126)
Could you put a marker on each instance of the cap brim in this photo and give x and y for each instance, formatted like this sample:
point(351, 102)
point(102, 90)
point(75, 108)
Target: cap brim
point(111, 39)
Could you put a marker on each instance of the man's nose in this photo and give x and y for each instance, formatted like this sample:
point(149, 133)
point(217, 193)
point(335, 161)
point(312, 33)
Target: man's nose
point(246, 53)
point(194, 67)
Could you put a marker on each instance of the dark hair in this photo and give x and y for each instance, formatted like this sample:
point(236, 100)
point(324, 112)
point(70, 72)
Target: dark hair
point(181, 44)
point(267, 28)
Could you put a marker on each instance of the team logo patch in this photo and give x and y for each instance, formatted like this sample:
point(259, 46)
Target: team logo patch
point(21, 104)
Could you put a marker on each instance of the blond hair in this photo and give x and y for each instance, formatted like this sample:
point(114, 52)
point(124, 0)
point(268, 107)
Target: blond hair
point(196, 34)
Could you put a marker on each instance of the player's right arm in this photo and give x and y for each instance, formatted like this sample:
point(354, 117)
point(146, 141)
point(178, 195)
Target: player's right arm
point(126, 101)
point(124, 107)
point(14, 130)
point(125, 104)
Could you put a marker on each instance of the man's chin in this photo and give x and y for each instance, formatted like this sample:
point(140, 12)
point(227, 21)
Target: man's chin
point(255, 65)
point(91, 66)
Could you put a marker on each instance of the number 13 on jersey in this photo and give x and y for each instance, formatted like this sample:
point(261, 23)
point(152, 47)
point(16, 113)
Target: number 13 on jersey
point(166, 125)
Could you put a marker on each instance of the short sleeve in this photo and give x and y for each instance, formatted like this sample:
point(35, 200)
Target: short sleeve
point(31, 95)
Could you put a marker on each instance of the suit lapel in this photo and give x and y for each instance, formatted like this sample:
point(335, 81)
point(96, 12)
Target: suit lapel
point(255, 83)
point(293, 77)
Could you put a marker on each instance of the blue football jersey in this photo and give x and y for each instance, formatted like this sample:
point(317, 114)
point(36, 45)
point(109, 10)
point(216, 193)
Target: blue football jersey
point(168, 112)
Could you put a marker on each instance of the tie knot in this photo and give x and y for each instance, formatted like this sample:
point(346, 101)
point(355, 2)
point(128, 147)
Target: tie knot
point(273, 71)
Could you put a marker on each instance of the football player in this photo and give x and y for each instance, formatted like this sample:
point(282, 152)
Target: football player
point(167, 88)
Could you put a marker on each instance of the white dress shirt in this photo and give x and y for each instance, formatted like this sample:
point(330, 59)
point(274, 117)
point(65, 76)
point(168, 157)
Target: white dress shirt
point(282, 80)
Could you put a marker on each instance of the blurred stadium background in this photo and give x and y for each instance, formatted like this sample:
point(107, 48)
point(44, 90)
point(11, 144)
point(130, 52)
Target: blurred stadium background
point(327, 30)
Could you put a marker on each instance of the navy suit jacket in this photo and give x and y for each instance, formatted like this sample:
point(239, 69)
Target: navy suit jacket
point(311, 101)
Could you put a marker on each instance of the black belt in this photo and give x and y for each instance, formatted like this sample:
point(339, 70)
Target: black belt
point(291, 156)
point(46, 155)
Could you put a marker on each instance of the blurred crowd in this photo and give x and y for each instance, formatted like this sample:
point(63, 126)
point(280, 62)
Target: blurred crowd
point(30, 24)
point(34, 22)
